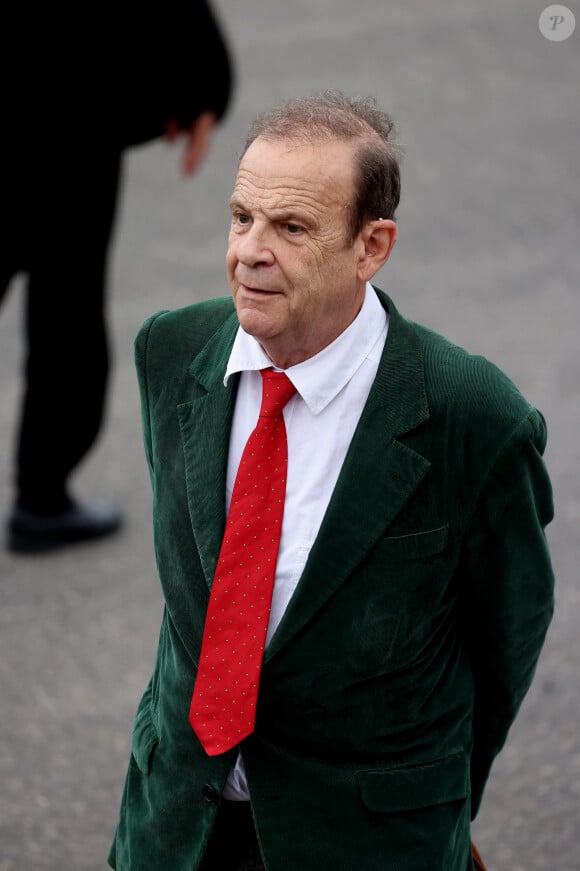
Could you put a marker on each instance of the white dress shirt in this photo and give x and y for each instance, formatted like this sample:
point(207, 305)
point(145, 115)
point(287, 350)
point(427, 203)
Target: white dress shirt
point(332, 388)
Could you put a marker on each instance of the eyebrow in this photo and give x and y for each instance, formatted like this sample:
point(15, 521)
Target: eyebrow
point(290, 216)
point(279, 214)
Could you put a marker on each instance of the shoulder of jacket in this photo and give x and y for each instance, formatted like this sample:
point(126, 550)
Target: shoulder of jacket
point(474, 393)
point(191, 325)
point(466, 393)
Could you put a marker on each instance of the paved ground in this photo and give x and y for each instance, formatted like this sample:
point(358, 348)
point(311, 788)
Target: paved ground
point(488, 112)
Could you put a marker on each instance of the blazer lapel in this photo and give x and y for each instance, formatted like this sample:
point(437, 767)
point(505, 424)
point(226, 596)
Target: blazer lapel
point(205, 424)
point(378, 476)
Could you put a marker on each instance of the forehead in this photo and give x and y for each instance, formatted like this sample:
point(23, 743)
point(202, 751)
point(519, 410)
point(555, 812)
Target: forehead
point(283, 174)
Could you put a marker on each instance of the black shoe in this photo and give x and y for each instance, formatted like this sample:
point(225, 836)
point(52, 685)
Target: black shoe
point(29, 532)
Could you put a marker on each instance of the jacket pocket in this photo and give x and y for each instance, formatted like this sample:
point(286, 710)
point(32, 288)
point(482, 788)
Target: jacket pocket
point(389, 790)
point(417, 545)
point(144, 739)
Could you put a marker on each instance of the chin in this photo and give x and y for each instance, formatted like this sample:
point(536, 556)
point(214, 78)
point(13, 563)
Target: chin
point(254, 322)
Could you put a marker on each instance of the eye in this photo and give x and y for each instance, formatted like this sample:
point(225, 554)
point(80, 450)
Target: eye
point(293, 229)
point(241, 219)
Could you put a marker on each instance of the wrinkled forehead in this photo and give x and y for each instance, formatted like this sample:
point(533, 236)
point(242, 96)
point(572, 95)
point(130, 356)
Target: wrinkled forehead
point(271, 168)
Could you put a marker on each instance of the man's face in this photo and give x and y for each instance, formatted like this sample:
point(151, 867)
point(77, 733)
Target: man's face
point(294, 277)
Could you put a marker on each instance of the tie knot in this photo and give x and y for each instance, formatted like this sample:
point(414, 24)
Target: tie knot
point(277, 389)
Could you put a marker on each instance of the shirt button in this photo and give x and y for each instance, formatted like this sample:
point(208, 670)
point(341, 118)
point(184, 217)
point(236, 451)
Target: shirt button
point(210, 794)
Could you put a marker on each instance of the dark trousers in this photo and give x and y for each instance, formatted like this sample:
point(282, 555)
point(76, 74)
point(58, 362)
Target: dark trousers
point(233, 845)
point(60, 210)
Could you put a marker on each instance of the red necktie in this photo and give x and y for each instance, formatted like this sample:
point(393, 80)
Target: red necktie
point(223, 706)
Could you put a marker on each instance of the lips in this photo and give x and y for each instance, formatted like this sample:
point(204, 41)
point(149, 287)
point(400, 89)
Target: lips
point(260, 291)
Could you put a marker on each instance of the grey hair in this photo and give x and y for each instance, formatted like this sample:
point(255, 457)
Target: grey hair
point(332, 116)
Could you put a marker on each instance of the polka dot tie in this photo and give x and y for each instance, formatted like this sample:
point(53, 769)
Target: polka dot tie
point(223, 707)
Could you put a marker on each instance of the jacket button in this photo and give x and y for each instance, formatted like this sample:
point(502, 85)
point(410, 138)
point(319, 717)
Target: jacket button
point(210, 794)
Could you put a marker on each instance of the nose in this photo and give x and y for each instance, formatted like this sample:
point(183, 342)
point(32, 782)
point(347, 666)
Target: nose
point(254, 246)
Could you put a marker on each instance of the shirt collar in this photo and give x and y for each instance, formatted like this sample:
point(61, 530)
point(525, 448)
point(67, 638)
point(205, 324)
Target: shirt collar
point(320, 378)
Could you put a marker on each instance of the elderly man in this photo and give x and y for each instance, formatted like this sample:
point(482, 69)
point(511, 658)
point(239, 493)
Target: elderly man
point(349, 518)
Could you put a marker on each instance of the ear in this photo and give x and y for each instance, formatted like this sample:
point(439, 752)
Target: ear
point(378, 238)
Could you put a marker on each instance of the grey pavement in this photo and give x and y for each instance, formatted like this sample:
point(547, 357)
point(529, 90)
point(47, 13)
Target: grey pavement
point(488, 111)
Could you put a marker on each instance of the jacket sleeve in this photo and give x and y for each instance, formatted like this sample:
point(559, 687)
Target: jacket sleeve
point(508, 584)
point(176, 64)
point(141, 365)
point(117, 79)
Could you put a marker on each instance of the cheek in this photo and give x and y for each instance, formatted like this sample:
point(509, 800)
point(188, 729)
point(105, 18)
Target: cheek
point(344, 271)
point(231, 260)
point(324, 279)
point(311, 271)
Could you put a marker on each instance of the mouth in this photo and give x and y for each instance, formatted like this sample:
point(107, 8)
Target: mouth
point(256, 291)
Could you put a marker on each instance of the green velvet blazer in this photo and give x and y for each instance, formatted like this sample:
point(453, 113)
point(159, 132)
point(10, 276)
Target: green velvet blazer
point(412, 637)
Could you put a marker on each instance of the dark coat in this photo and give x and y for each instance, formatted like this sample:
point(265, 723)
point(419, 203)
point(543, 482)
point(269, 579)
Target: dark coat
point(74, 79)
point(413, 635)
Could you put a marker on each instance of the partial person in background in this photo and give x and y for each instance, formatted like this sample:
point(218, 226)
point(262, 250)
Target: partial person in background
point(75, 93)
point(349, 516)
